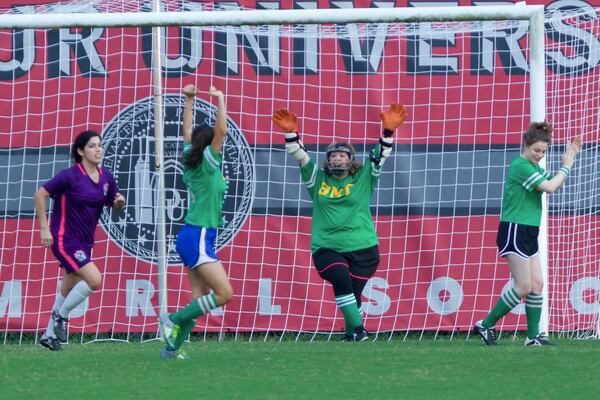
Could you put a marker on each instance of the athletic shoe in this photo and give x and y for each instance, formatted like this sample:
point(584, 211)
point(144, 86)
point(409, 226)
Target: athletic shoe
point(168, 330)
point(60, 326)
point(178, 354)
point(360, 334)
point(539, 340)
point(51, 343)
point(487, 334)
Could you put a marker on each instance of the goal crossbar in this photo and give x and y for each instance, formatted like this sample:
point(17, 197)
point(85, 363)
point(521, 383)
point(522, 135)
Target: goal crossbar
point(266, 17)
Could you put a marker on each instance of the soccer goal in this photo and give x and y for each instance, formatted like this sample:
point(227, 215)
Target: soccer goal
point(472, 79)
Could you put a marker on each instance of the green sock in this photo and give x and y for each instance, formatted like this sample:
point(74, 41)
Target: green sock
point(184, 331)
point(533, 310)
point(194, 309)
point(347, 305)
point(507, 301)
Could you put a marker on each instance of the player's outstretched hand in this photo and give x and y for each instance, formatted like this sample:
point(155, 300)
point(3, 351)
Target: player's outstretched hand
point(393, 117)
point(571, 152)
point(119, 202)
point(214, 92)
point(190, 90)
point(286, 120)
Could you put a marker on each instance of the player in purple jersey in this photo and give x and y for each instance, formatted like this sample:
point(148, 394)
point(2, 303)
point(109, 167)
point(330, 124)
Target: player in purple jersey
point(79, 193)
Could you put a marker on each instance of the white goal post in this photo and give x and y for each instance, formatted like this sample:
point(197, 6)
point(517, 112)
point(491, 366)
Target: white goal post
point(434, 209)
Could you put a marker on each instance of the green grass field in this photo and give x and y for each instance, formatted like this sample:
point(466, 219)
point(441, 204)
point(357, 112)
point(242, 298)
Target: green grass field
point(397, 369)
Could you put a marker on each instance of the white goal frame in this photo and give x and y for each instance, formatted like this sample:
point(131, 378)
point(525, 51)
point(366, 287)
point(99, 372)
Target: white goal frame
point(533, 13)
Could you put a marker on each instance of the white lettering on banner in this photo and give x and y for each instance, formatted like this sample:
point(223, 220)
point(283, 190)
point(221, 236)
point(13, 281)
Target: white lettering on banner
point(24, 49)
point(498, 43)
point(422, 50)
point(265, 298)
point(579, 48)
point(578, 296)
point(381, 302)
point(10, 299)
point(452, 292)
point(139, 298)
point(588, 56)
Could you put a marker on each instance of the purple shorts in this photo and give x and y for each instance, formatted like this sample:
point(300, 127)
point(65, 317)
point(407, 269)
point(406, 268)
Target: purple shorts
point(71, 256)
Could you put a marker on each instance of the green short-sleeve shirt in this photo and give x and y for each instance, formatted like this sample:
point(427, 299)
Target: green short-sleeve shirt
point(521, 203)
point(206, 189)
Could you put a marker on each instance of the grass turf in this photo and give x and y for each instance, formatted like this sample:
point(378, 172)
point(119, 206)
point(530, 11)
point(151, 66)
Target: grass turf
point(397, 369)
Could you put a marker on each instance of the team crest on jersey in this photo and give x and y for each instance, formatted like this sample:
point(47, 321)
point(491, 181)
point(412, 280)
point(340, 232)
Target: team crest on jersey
point(80, 255)
point(130, 154)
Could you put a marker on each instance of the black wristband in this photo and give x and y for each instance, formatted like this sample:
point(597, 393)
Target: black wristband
point(383, 143)
point(388, 133)
point(292, 139)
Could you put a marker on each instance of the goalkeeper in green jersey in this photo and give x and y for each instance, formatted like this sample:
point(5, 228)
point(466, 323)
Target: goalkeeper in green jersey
point(518, 231)
point(344, 243)
point(196, 240)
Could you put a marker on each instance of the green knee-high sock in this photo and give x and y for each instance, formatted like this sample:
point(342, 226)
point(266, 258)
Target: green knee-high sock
point(194, 309)
point(347, 305)
point(184, 331)
point(533, 310)
point(507, 301)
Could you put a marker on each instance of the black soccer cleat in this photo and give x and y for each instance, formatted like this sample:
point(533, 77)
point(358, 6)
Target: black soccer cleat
point(60, 326)
point(51, 343)
point(539, 340)
point(487, 334)
point(359, 334)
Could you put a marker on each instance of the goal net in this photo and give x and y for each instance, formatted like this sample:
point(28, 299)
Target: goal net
point(466, 86)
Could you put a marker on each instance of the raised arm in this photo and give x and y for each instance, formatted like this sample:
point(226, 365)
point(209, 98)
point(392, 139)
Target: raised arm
point(391, 119)
point(221, 122)
point(39, 200)
point(287, 121)
point(550, 186)
point(188, 112)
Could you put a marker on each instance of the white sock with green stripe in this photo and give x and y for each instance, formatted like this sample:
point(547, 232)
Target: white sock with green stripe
point(347, 305)
point(195, 308)
point(507, 301)
point(533, 310)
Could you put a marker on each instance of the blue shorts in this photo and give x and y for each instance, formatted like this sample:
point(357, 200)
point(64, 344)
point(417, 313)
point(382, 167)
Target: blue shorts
point(196, 245)
point(71, 256)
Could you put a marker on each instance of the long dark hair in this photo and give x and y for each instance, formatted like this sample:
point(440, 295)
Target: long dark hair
point(80, 141)
point(202, 136)
point(538, 132)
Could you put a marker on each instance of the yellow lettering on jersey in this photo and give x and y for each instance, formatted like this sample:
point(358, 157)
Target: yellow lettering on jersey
point(324, 189)
point(335, 192)
point(347, 188)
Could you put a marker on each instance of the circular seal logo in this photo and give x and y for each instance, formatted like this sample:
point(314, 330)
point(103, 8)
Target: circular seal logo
point(130, 154)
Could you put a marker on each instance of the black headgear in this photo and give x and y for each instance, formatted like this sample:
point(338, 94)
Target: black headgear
point(337, 147)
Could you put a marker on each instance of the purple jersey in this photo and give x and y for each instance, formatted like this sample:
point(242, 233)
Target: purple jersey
point(78, 202)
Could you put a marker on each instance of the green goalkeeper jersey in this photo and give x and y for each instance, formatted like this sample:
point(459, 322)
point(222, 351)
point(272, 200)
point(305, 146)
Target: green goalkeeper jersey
point(521, 203)
point(206, 189)
point(341, 217)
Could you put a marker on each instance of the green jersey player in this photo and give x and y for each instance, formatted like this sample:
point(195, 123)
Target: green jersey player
point(344, 243)
point(195, 242)
point(518, 231)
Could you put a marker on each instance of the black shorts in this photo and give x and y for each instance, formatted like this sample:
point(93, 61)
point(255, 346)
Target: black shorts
point(518, 239)
point(362, 264)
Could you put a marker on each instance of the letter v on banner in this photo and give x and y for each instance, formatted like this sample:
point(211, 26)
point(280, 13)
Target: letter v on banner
point(363, 57)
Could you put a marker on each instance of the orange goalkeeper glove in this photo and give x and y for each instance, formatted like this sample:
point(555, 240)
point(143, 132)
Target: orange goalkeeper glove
point(286, 120)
